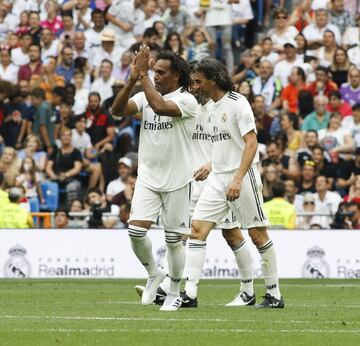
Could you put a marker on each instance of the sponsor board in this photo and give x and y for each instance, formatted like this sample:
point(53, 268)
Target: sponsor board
point(107, 254)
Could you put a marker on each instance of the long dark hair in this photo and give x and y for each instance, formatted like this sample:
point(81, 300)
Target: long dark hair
point(214, 70)
point(167, 42)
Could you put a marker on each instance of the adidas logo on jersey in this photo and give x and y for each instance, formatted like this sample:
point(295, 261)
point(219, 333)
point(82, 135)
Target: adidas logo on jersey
point(256, 219)
point(183, 225)
point(227, 220)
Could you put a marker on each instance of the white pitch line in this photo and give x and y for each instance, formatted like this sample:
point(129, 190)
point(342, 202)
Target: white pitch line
point(257, 331)
point(105, 318)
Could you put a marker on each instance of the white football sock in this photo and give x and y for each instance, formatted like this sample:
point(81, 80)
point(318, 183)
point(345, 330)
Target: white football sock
point(195, 259)
point(141, 245)
point(245, 266)
point(269, 269)
point(176, 261)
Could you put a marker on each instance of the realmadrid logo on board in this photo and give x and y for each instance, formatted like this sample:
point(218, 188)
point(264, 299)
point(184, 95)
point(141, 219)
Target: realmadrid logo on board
point(17, 266)
point(315, 267)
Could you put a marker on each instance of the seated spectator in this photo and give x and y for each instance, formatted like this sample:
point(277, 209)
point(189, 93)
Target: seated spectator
point(49, 45)
point(98, 206)
point(64, 166)
point(244, 88)
point(319, 118)
point(30, 180)
point(20, 55)
point(149, 38)
point(281, 214)
point(350, 92)
point(34, 150)
point(77, 206)
point(292, 196)
point(354, 56)
point(301, 46)
point(12, 215)
point(173, 42)
point(66, 34)
point(79, 46)
point(311, 140)
point(322, 85)
point(308, 175)
point(335, 139)
point(176, 17)
point(324, 166)
point(150, 8)
point(305, 103)
point(9, 166)
point(249, 65)
point(64, 120)
point(34, 26)
point(308, 221)
point(160, 27)
point(125, 196)
point(8, 70)
point(282, 32)
point(121, 70)
point(52, 20)
point(124, 216)
point(326, 201)
point(340, 17)
point(336, 105)
point(340, 66)
point(268, 51)
point(347, 173)
point(201, 45)
point(352, 123)
point(289, 126)
point(116, 186)
point(326, 53)
point(268, 86)
point(289, 95)
point(351, 35)
point(34, 66)
point(262, 118)
point(61, 218)
point(93, 34)
point(81, 93)
point(354, 191)
point(66, 68)
point(103, 84)
point(354, 209)
point(302, 15)
point(4, 196)
point(271, 175)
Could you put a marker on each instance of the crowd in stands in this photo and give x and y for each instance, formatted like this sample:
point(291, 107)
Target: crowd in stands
point(63, 61)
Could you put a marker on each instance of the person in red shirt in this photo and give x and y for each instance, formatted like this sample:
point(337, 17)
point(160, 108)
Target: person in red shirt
point(34, 66)
point(322, 85)
point(337, 105)
point(289, 95)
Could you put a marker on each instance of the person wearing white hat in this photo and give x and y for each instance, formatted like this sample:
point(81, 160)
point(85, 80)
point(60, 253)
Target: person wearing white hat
point(115, 186)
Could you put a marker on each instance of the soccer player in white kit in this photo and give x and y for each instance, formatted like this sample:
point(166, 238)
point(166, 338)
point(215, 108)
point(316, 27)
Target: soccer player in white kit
point(165, 166)
point(234, 183)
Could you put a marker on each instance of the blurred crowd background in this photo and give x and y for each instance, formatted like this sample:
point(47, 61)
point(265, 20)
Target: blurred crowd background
point(62, 63)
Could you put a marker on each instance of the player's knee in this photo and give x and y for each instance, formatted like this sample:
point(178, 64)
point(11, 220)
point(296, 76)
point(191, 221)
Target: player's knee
point(258, 237)
point(232, 237)
point(197, 232)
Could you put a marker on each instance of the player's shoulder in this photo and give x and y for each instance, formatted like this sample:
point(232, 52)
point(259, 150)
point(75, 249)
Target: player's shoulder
point(236, 99)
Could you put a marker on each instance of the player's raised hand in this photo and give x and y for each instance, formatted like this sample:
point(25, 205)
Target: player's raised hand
point(142, 60)
point(233, 190)
point(203, 172)
point(134, 73)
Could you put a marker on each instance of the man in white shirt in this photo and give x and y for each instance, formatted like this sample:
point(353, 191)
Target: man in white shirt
point(20, 55)
point(117, 185)
point(314, 33)
point(49, 45)
point(165, 165)
point(234, 183)
point(93, 35)
point(103, 85)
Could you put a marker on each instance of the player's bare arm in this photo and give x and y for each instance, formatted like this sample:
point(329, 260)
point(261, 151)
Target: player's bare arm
point(203, 172)
point(122, 106)
point(251, 144)
point(159, 105)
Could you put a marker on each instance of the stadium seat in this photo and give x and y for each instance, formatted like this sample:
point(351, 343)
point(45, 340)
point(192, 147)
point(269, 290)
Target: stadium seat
point(50, 192)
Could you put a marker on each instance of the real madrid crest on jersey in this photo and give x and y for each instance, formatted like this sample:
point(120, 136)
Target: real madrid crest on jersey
point(17, 266)
point(315, 267)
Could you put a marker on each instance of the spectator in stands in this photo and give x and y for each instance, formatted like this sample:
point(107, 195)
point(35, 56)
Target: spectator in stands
point(352, 123)
point(8, 70)
point(30, 180)
point(149, 38)
point(325, 201)
point(43, 125)
point(32, 148)
point(98, 206)
point(326, 53)
point(290, 127)
point(289, 94)
point(77, 206)
point(173, 42)
point(66, 34)
point(15, 120)
point(122, 70)
point(268, 86)
point(66, 68)
point(12, 215)
point(201, 44)
point(64, 120)
point(340, 66)
point(259, 109)
point(4, 196)
point(305, 103)
point(322, 85)
point(103, 85)
point(268, 51)
point(244, 88)
point(311, 140)
point(80, 49)
point(280, 212)
point(354, 191)
point(292, 196)
point(348, 172)
point(282, 69)
point(125, 196)
point(64, 166)
point(271, 175)
point(323, 166)
point(309, 221)
point(9, 166)
point(34, 26)
point(248, 67)
point(354, 209)
point(61, 218)
point(20, 55)
point(340, 17)
point(301, 46)
point(53, 20)
point(336, 105)
point(124, 216)
point(93, 34)
point(81, 93)
point(49, 45)
point(34, 65)
point(282, 32)
point(351, 36)
point(351, 91)
point(150, 9)
point(116, 186)
point(100, 126)
point(314, 32)
point(308, 175)
point(176, 17)
point(302, 15)
point(319, 118)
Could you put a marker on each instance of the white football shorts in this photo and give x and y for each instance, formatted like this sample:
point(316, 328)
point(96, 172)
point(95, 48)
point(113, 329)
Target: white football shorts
point(248, 208)
point(172, 207)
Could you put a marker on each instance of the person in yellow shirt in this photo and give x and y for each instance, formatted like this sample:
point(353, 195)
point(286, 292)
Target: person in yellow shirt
point(4, 197)
point(12, 215)
point(279, 211)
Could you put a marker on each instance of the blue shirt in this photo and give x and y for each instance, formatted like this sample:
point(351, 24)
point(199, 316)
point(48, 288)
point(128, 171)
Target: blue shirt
point(67, 73)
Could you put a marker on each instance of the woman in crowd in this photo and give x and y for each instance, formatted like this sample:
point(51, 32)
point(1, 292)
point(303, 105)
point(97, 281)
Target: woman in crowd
point(354, 190)
point(289, 123)
point(245, 89)
point(8, 70)
point(81, 93)
point(173, 42)
point(33, 149)
point(301, 46)
point(340, 66)
point(9, 166)
point(52, 19)
point(326, 53)
point(271, 174)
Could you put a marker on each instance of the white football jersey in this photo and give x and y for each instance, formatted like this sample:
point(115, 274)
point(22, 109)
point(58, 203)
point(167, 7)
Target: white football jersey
point(231, 118)
point(201, 137)
point(165, 160)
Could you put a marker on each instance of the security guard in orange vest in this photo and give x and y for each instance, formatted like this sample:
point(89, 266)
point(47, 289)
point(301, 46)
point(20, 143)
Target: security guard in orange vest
point(12, 215)
point(280, 212)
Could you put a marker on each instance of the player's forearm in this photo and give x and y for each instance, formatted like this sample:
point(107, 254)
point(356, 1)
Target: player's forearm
point(122, 98)
point(247, 159)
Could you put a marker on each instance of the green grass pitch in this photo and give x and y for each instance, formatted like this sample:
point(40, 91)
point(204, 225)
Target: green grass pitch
point(108, 312)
